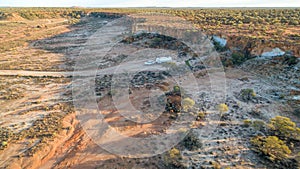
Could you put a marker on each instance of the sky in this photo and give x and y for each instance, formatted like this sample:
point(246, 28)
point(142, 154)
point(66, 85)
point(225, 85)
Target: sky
point(151, 3)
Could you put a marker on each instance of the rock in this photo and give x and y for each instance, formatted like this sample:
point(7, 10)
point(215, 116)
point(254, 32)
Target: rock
point(222, 42)
point(274, 52)
point(296, 97)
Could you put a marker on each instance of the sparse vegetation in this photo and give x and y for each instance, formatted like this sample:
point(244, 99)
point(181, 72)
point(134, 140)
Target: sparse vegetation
point(238, 58)
point(247, 94)
point(245, 29)
point(191, 142)
point(200, 116)
point(172, 158)
point(279, 141)
point(187, 103)
point(5, 137)
point(247, 122)
point(284, 128)
point(176, 89)
point(259, 125)
point(222, 108)
point(272, 146)
point(216, 165)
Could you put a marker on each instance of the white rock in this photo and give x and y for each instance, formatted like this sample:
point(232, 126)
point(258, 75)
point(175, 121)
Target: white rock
point(140, 32)
point(296, 97)
point(273, 53)
point(220, 40)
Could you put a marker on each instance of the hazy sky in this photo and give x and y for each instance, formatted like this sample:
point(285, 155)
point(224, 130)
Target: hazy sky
point(145, 3)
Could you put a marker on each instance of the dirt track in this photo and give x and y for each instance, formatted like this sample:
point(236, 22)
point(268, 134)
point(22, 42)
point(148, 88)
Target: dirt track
point(72, 148)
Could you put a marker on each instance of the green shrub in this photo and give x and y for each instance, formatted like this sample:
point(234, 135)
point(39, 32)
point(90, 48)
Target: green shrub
point(238, 58)
point(247, 94)
point(191, 142)
point(271, 146)
point(176, 89)
point(188, 64)
point(285, 128)
point(258, 124)
point(290, 60)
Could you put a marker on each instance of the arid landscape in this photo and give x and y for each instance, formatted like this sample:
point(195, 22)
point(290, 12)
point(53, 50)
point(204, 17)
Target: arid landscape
point(149, 88)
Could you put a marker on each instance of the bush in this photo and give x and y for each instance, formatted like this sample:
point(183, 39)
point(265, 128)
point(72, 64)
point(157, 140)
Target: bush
point(259, 124)
point(247, 94)
point(294, 22)
point(200, 116)
point(172, 158)
point(4, 143)
point(247, 122)
point(238, 58)
point(176, 89)
point(223, 108)
point(290, 60)
point(191, 142)
point(188, 64)
point(271, 146)
point(5, 136)
point(285, 128)
point(174, 153)
point(216, 165)
point(187, 103)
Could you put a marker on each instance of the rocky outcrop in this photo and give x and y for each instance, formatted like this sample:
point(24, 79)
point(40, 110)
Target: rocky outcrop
point(256, 47)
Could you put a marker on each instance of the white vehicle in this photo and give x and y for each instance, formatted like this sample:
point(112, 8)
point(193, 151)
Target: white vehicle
point(163, 59)
point(150, 62)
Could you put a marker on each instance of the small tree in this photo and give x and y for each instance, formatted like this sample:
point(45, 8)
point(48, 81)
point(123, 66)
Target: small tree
point(271, 146)
point(284, 127)
point(223, 108)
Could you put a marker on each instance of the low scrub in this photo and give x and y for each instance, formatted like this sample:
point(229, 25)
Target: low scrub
point(272, 147)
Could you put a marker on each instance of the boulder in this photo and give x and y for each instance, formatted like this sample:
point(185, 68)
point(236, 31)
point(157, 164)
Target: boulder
point(221, 41)
point(273, 53)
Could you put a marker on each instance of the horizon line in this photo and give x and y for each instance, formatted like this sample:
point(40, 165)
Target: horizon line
point(146, 7)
